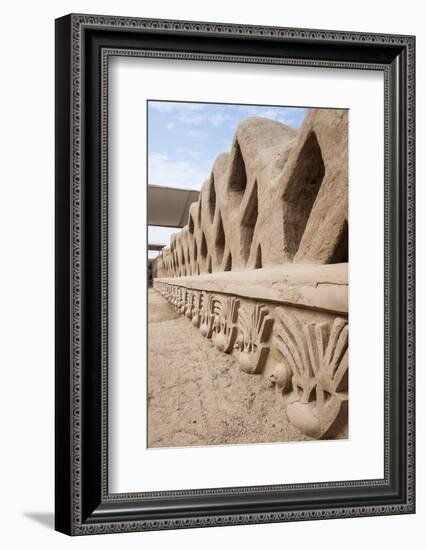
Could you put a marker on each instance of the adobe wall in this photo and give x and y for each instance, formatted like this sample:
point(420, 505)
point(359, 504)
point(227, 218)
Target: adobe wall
point(279, 196)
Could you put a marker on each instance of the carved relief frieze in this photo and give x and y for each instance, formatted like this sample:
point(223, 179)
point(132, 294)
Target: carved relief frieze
point(225, 327)
point(255, 325)
point(206, 322)
point(307, 360)
point(312, 375)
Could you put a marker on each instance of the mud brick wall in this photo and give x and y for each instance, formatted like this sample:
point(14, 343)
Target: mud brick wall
point(279, 196)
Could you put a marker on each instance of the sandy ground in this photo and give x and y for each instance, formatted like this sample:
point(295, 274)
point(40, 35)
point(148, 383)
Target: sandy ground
point(199, 396)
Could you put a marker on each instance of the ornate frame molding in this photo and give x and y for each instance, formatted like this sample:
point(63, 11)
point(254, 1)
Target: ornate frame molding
point(83, 504)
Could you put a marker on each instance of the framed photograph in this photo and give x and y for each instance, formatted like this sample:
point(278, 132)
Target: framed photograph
point(234, 274)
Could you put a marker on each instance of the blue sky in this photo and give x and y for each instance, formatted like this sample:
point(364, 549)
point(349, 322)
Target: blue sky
point(184, 139)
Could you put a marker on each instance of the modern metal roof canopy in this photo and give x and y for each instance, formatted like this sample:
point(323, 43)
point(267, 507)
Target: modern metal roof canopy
point(169, 207)
point(157, 247)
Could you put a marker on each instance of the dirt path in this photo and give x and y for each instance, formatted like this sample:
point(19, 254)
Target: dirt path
point(198, 395)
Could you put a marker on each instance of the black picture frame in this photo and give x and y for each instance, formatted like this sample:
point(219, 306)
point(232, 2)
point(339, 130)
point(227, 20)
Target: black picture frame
point(83, 45)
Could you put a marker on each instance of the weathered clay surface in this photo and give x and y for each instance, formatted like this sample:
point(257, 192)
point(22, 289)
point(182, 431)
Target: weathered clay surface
point(304, 352)
point(322, 287)
point(261, 267)
point(199, 396)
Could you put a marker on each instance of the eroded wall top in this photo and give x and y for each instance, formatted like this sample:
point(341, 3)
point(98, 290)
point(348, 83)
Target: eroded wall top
point(279, 196)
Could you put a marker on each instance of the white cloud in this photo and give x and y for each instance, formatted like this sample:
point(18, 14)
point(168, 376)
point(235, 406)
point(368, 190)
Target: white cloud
point(161, 235)
point(196, 133)
point(286, 115)
point(190, 118)
point(193, 153)
point(188, 113)
point(166, 171)
point(167, 107)
point(197, 114)
point(218, 119)
point(191, 114)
